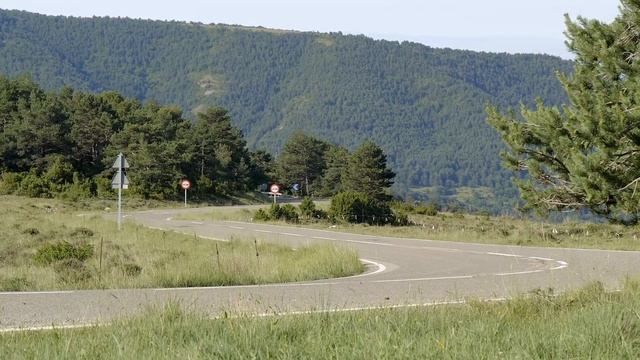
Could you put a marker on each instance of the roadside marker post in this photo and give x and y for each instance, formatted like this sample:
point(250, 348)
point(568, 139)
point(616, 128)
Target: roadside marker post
point(185, 184)
point(120, 181)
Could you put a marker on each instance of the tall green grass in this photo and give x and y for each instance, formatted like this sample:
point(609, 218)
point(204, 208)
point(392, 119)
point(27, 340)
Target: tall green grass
point(44, 245)
point(585, 324)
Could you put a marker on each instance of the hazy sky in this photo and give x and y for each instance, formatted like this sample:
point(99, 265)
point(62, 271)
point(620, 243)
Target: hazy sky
point(486, 25)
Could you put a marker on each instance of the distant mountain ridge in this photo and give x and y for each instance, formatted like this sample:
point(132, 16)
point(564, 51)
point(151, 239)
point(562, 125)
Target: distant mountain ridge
point(423, 106)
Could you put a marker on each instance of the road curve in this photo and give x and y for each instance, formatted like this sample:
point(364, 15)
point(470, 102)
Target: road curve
point(400, 272)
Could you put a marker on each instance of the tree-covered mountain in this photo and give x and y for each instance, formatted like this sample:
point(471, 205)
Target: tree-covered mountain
point(423, 106)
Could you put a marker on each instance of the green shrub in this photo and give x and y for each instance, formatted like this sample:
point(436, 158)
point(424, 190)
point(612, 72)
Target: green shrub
point(357, 207)
point(307, 207)
point(261, 215)
point(320, 214)
point(403, 207)
point(31, 231)
point(59, 175)
point(19, 283)
point(78, 189)
point(81, 232)
point(10, 183)
point(286, 212)
point(103, 188)
point(131, 269)
point(33, 185)
point(63, 250)
point(71, 270)
point(430, 209)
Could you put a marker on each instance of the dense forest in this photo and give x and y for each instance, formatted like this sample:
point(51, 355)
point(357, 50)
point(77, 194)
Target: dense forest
point(63, 144)
point(423, 106)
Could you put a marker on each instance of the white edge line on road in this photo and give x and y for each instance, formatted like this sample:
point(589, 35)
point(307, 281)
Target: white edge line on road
point(36, 292)
point(50, 327)
point(562, 265)
point(323, 238)
point(425, 279)
point(290, 234)
point(197, 223)
point(501, 254)
point(540, 258)
point(380, 268)
point(264, 231)
point(519, 272)
point(236, 227)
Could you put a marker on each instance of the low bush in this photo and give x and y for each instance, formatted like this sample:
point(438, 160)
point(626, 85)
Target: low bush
point(63, 250)
point(430, 209)
point(72, 271)
point(307, 208)
point(276, 212)
point(357, 207)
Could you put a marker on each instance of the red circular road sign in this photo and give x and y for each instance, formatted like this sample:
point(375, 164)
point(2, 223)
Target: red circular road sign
point(185, 184)
point(274, 188)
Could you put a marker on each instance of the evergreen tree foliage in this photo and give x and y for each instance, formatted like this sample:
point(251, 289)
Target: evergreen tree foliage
point(302, 160)
point(220, 150)
point(63, 144)
point(585, 155)
point(336, 162)
point(368, 173)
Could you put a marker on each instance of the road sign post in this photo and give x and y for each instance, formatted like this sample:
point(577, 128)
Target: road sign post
point(120, 181)
point(274, 190)
point(185, 184)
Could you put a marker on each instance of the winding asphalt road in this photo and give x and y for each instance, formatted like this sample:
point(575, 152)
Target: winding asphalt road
point(400, 272)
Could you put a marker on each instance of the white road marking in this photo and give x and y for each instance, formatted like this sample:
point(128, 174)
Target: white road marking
point(50, 327)
point(562, 265)
point(264, 231)
point(518, 273)
point(323, 238)
point(380, 269)
point(290, 234)
point(197, 223)
point(36, 292)
point(425, 279)
point(501, 254)
point(236, 227)
point(169, 218)
point(540, 258)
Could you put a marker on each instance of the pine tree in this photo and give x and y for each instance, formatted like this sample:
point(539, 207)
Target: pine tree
point(585, 155)
point(368, 173)
point(337, 160)
point(302, 159)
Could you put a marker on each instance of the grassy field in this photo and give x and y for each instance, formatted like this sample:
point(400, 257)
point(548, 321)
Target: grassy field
point(474, 228)
point(585, 324)
point(47, 245)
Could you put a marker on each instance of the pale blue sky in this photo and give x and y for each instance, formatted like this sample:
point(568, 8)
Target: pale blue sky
point(486, 25)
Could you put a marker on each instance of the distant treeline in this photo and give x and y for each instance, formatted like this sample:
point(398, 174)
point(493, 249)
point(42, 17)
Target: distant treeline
point(65, 143)
point(423, 106)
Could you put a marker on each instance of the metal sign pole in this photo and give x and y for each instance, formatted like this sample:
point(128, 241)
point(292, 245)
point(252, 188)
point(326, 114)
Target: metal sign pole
point(119, 208)
point(185, 197)
point(120, 182)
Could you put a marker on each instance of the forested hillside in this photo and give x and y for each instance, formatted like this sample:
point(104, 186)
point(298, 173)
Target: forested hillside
point(423, 106)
